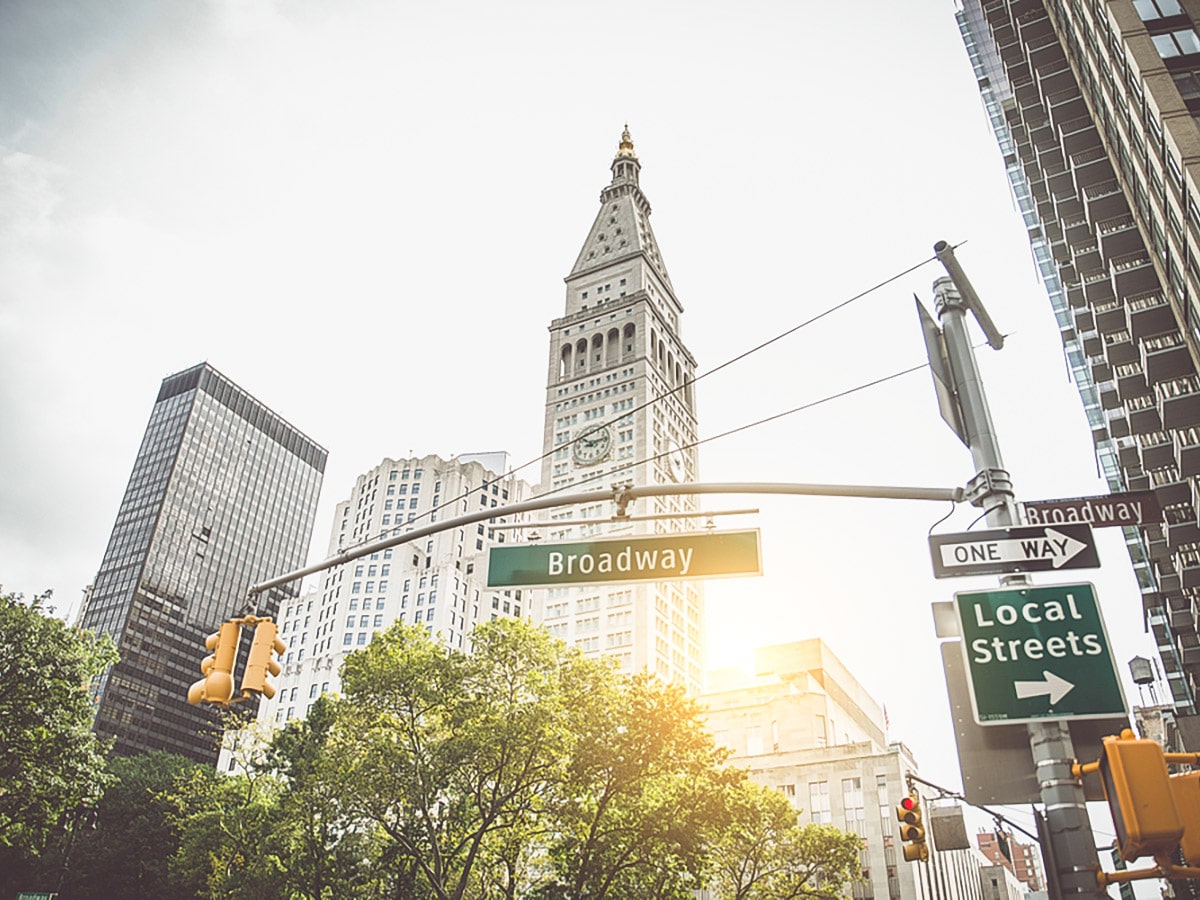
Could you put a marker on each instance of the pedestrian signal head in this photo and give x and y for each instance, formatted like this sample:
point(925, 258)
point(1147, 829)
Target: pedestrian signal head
point(261, 662)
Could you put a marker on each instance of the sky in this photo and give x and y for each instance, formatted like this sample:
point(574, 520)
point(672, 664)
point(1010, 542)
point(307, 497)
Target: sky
point(362, 212)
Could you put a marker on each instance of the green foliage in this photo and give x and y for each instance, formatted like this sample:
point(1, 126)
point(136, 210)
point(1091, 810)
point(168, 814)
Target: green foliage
point(763, 853)
point(123, 849)
point(51, 764)
point(643, 794)
point(520, 771)
point(451, 756)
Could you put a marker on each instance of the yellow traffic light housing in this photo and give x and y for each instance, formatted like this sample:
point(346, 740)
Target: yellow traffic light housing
point(1186, 791)
point(261, 661)
point(1140, 797)
point(217, 684)
point(912, 828)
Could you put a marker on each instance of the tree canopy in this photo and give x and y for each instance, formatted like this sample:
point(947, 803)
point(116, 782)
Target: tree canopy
point(50, 762)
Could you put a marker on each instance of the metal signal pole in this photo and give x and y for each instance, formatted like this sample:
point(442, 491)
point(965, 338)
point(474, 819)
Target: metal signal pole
point(1073, 848)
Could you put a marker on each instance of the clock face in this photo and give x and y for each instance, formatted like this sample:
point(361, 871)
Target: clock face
point(592, 444)
point(675, 462)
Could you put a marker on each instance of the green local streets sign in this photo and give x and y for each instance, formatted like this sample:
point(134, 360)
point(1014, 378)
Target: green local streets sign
point(682, 557)
point(1038, 653)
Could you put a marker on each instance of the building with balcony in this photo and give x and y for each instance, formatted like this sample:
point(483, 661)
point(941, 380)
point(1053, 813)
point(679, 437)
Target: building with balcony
point(1093, 105)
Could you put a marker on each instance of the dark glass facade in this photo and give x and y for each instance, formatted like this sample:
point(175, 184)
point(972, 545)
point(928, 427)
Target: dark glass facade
point(223, 495)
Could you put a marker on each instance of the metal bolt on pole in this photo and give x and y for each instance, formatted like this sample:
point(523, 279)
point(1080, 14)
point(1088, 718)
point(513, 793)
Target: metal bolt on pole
point(1072, 843)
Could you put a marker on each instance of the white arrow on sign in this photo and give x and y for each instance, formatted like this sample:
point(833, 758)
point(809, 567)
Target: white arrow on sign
point(1055, 546)
point(1055, 686)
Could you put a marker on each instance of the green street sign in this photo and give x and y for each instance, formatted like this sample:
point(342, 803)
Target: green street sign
point(1038, 653)
point(673, 557)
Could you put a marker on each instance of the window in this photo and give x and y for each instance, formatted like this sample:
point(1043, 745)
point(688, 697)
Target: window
point(362, 638)
point(379, 621)
point(1157, 9)
point(818, 803)
point(1176, 43)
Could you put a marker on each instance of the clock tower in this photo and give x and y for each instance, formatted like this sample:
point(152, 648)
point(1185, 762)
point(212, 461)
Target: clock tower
point(620, 408)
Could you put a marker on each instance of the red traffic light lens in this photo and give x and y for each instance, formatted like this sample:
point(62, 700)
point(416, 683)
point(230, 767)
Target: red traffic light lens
point(908, 804)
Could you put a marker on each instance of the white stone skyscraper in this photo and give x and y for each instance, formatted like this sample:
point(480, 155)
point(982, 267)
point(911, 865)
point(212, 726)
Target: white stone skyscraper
point(620, 407)
point(437, 581)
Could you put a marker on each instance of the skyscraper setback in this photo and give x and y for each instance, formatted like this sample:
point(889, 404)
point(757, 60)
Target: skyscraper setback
point(222, 495)
point(1093, 105)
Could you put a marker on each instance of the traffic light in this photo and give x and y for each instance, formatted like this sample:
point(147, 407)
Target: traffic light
point(912, 828)
point(217, 684)
point(261, 661)
point(1133, 771)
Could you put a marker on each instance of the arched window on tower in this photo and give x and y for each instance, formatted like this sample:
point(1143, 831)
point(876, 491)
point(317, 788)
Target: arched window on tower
point(612, 347)
point(580, 353)
point(564, 362)
point(630, 333)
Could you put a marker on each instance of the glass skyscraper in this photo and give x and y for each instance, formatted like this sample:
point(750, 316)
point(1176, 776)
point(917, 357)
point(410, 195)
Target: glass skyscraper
point(222, 495)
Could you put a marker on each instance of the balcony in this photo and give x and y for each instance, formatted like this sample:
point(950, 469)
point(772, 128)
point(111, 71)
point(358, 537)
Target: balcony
point(1093, 345)
point(1171, 488)
point(1156, 450)
point(1076, 298)
point(1045, 53)
point(1149, 314)
point(1033, 26)
point(1166, 573)
point(1133, 274)
point(1119, 236)
point(1119, 349)
point(1165, 357)
point(1187, 451)
point(1077, 135)
point(1104, 200)
point(1181, 526)
point(1086, 258)
point(1110, 317)
point(1129, 455)
point(1179, 613)
point(1085, 319)
point(1098, 288)
point(1091, 167)
point(1189, 569)
point(1143, 416)
point(1179, 402)
point(1118, 423)
point(1063, 105)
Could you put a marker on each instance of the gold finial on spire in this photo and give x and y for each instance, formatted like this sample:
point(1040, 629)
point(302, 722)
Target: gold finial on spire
point(626, 147)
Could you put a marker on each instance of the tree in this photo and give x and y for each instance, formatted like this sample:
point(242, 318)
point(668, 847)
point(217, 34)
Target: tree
point(325, 852)
point(451, 755)
point(226, 837)
point(124, 848)
point(51, 765)
point(644, 794)
point(764, 854)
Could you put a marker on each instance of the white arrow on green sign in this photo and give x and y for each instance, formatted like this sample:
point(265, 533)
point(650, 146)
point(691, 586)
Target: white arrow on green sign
point(1038, 653)
point(687, 557)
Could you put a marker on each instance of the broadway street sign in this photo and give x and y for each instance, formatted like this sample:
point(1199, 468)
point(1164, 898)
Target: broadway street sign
point(1135, 508)
point(1038, 653)
point(1006, 550)
point(686, 557)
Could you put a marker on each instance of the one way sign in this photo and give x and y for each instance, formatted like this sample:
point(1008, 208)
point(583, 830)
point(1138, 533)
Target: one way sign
point(1002, 551)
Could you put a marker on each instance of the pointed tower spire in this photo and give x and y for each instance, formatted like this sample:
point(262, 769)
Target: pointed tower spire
point(626, 145)
point(625, 165)
point(622, 227)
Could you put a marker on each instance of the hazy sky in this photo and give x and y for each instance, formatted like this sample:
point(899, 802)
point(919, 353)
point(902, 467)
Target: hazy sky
point(362, 212)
